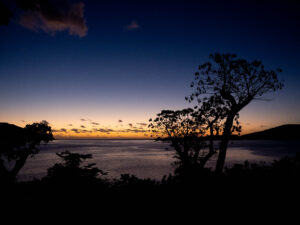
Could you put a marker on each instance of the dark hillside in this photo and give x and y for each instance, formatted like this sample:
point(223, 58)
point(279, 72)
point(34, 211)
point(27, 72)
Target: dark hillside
point(288, 131)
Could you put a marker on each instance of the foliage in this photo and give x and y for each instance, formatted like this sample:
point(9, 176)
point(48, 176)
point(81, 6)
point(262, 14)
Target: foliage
point(133, 183)
point(72, 170)
point(230, 83)
point(222, 88)
point(184, 131)
point(254, 182)
point(235, 80)
point(17, 144)
point(286, 168)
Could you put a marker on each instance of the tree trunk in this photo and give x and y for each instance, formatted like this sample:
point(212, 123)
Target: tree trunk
point(211, 147)
point(9, 176)
point(4, 173)
point(19, 165)
point(224, 142)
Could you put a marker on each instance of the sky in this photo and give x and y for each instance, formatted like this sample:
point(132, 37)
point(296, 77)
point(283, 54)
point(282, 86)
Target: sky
point(101, 69)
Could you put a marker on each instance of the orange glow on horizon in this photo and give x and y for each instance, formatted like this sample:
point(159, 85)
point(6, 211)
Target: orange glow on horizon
point(123, 126)
point(101, 135)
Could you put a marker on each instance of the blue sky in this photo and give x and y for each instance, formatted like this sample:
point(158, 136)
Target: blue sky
point(130, 59)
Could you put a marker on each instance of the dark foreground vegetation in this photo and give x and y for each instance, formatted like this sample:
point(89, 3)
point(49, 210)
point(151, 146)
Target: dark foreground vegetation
point(75, 187)
point(75, 182)
point(222, 87)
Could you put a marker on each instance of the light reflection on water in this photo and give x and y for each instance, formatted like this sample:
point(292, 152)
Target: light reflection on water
point(147, 158)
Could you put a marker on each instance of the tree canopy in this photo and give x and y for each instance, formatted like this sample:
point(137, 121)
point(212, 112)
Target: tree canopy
point(72, 169)
point(17, 144)
point(231, 83)
point(222, 87)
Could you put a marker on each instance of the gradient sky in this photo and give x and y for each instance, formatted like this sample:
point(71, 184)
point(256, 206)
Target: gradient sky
point(107, 67)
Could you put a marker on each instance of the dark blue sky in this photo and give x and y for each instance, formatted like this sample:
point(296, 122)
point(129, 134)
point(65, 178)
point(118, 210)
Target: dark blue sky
point(130, 59)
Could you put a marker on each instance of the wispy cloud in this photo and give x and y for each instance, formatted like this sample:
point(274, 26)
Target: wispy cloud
point(134, 130)
point(76, 130)
point(60, 130)
point(106, 130)
point(142, 124)
point(132, 26)
point(94, 123)
point(103, 130)
point(120, 121)
point(52, 16)
point(85, 131)
point(82, 126)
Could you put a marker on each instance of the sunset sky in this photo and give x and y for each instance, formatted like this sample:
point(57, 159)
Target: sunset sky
point(101, 69)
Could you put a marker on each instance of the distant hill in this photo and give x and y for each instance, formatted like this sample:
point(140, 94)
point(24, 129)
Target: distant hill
point(9, 130)
point(11, 134)
point(288, 131)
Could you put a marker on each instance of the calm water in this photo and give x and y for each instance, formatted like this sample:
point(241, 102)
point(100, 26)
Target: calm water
point(146, 158)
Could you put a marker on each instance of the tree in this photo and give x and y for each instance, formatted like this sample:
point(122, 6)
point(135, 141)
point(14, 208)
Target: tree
point(71, 170)
point(234, 83)
point(17, 144)
point(209, 115)
point(184, 131)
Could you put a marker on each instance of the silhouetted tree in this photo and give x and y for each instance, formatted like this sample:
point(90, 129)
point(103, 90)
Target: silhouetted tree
point(72, 170)
point(184, 131)
point(234, 83)
point(17, 144)
point(209, 115)
point(189, 131)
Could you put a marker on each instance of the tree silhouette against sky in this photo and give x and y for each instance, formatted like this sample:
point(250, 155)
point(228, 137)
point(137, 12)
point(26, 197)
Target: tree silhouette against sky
point(183, 131)
point(17, 144)
point(234, 83)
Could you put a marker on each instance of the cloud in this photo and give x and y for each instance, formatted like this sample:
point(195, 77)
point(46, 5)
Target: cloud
point(53, 16)
point(130, 124)
point(76, 130)
point(136, 130)
point(61, 130)
point(85, 131)
point(83, 119)
point(132, 26)
point(94, 123)
point(102, 130)
point(70, 125)
point(142, 124)
point(132, 130)
point(120, 121)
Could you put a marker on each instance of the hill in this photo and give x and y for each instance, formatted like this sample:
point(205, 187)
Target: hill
point(288, 131)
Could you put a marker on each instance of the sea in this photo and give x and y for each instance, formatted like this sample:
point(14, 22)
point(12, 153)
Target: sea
point(148, 158)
